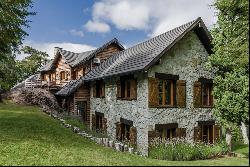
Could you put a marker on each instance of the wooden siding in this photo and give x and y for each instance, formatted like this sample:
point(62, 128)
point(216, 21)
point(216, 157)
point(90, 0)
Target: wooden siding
point(62, 66)
point(106, 53)
point(83, 94)
point(79, 71)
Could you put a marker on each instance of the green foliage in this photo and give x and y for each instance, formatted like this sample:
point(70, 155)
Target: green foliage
point(30, 137)
point(13, 19)
point(231, 62)
point(80, 124)
point(30, 64)
point(8, 73)
point(182, 150)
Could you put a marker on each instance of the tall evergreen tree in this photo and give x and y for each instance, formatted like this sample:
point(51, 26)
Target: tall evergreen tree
point(231, 61)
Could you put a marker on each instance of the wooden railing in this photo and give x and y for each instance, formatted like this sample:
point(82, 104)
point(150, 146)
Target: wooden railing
point(44, 84)
point(33, 84)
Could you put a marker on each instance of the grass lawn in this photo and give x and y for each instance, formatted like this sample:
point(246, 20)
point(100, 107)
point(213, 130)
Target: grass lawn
point(30, 137)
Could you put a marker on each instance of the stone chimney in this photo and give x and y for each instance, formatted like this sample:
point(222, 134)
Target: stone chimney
point(56, 50)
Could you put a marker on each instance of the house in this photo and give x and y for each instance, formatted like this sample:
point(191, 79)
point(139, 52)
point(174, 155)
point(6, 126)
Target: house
point(66, 69)
point(157, 88)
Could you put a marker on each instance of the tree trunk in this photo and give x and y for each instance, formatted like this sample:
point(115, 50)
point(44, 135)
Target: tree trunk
point(229, 139)
point(244, 130)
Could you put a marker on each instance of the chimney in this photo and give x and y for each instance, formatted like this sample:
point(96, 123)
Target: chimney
point(56, 50)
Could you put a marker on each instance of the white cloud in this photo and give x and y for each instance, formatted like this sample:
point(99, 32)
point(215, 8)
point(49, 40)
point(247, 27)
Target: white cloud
point(76, 33)
point(96, 26)
point(155, 16)
point(49, 47)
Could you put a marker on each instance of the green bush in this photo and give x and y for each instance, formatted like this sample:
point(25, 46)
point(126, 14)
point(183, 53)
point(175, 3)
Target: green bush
point(183, 150)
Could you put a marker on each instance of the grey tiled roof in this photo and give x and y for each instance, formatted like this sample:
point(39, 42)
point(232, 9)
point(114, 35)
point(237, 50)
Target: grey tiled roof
point(75, 59)
point(141, 56)
point(47, 67)
point(69, 88)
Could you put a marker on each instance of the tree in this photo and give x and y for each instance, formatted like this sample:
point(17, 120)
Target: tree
point(13, 19)
point(30, 64)
point(231, 62)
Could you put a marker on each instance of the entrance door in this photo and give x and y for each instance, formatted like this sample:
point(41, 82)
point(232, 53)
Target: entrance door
point(82, 109)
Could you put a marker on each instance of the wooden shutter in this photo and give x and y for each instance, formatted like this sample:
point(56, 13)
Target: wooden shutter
point(181, 93)
point(216, 132)
point(118, 131)
point(181, 132)
point(152, 135)
point(104, 124)
point(94, 89)
point(153, 92)
point(197, 134)
point(197, 94)
point(133, 89)
point(118, 85)
point(93, 121)
point(103, 89)
point(132, 135)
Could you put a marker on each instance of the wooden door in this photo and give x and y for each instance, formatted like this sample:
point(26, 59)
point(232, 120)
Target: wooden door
point(82, 109)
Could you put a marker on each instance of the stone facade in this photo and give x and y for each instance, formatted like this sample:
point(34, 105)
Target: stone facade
point(186, 59)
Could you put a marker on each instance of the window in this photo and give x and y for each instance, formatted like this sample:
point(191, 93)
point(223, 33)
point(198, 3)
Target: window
point(167, 92)
point(127, 88)
point(99, 89)
point(207, 132)
point(99, 122)
point(207, 98)
point(167, 131)
point(81, 109)
point(125, 128)
point(74, 75)
point(62, 75)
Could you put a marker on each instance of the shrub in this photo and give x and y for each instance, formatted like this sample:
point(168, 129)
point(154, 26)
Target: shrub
point(182, 150)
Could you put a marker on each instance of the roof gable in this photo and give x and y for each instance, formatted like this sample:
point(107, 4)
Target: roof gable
point(142, 56)
point(75, 59)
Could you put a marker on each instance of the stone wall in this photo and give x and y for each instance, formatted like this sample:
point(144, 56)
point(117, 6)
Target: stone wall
point(134, 110)
point(186, 59)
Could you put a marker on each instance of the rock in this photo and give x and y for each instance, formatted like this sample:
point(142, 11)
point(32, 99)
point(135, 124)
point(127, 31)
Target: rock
point(117, 146)
point(106, 141)
point(111, 143)
point(125, 148)
point(131, 150)
point(76, 129)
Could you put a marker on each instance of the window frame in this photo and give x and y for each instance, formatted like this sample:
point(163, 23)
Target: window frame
point(164, 128)
point(62, 73)
point(99, 86)
point(126, 87)
point(163, 93)
point(209, 101)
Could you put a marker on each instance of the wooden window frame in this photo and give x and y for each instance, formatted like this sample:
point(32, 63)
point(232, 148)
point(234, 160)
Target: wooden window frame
point(99, 122)
point(209, 101)
point(62, 75)
point(163, 129)
point(99, 87)
point(126, 88)
point(163, 93)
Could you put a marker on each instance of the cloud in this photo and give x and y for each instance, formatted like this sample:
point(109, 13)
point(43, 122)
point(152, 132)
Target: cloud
point(49, 47)
point(155, 16)
point(76, 33)
point(96, 26)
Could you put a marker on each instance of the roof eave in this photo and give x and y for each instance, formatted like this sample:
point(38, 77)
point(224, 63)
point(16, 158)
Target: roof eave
point(198, 20)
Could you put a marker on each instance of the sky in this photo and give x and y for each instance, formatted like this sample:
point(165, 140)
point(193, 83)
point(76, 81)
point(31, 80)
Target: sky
point(81, 25)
